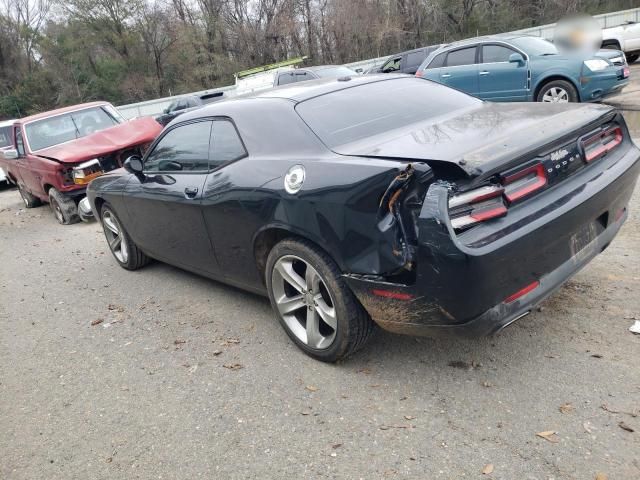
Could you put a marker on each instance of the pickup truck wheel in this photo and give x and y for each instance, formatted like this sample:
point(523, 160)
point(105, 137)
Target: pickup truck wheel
point(632, 57)
point(314, 305)
point(557, 91)
point(64, 208)
point(30, 201)
point(127, 253)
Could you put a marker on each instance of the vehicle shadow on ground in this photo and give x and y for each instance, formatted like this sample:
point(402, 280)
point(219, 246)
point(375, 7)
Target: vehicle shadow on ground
point(533, 337)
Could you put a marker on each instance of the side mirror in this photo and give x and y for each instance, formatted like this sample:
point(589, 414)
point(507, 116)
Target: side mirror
point(134, 165)
point(516, 58)
point(10, 154)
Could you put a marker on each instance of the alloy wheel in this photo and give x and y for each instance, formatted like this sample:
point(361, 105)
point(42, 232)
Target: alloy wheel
point(57, 211)
point(303, 299)
point(556, 95)
point(113, 232)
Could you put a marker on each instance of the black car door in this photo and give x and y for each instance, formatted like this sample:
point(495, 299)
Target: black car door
point(164, 205)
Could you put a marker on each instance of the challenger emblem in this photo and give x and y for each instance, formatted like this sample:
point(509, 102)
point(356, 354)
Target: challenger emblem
point(559, 154)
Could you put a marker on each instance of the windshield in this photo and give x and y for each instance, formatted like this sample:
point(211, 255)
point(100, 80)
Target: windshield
point(334, 72)
point(69, 126)
point(535, 46)
point(363, 111)
point(5, 137)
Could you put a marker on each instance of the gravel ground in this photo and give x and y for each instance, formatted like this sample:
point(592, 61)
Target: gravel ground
point(159, 373)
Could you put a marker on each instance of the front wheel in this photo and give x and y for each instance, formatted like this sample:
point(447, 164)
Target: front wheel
point(314, 305)
point(632, 57)
point(64, 208)
point(558, 91)
point(126, 253)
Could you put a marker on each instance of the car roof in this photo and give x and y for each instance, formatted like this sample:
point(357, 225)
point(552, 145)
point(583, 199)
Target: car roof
point(51, 113)
point(322, 67)
point(294, 92)
point(502, 37)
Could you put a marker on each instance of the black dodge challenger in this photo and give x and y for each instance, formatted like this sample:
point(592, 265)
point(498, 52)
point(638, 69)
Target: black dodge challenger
point(378, 200)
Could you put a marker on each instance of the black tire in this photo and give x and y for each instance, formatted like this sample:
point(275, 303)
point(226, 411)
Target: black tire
point(564, 85)
point(30, 201)
point(632, 57)
point(354, 326)
point(135, 258)
point(64, 208)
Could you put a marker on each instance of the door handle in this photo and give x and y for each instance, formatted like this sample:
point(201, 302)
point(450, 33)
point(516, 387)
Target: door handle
point(190, 192)
point(484, 72)
point(445, 75)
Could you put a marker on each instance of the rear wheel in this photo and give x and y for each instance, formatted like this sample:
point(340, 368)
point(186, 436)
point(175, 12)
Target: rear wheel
point(314, 305)
point(64, 208)
point(557, 91)
point(30, 201)
point(126, 253)
point(632, 57)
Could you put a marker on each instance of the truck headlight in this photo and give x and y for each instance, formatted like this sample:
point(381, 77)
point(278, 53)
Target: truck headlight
point(596, 64)
point(86, 171)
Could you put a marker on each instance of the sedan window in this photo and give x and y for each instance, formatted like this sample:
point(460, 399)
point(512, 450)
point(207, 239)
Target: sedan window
point(495, 53)
point(464, 56)
point(5, 136)
point(438, 61)
point(184, 148)
point(392, 65)
point(285, 78)
point(226, 145)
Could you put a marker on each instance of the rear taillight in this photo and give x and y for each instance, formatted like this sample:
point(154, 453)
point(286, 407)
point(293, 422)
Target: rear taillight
point(598, 145)
point(476, 206)
point(419, 73)
point(524, 182)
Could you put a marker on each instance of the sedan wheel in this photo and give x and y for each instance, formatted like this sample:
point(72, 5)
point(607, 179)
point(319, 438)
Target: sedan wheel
point(304, 302)
point(313, 303)
point(113, 232)
point(556, 95)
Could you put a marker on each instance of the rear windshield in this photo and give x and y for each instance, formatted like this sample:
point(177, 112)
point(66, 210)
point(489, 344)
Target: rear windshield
point(69, 126)
point(5, 136)
point(349, 115)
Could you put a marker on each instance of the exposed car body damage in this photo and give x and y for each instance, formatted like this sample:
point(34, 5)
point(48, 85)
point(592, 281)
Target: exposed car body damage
point(138, 131)
point(454, 223)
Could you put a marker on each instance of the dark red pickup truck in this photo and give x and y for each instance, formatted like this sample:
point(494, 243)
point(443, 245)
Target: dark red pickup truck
point(56, 154)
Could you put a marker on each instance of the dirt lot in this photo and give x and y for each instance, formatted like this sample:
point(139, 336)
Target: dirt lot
point(106, 373)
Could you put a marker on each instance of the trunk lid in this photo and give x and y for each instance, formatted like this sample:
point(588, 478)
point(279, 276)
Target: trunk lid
point(480, 141)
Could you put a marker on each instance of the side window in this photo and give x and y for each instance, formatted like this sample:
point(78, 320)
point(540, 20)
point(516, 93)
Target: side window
point(464, 56)
point(184, 148)
point(438, 61)
point(285, 78)
point(495, 53)
point(392, 65)
point(415, 58)
point(19, 142)
point(226, 145)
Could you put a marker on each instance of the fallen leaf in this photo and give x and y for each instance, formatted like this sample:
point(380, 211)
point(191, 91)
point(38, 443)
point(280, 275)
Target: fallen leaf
point(179, 341)
point(230, 341)
point(587, 427)
point(566, 408)
point(109, 459)
point(606, 408)
point(336, 445)
point(488, 468)
point(409, 417)
point(387, 427)
point(549, 435)
point(365, 370)
point(487, 384)
point(311, 388)
point(305, 413)
point(217, 352)
point(596, 355)
point(601, 476)
point(626, 427)
point(97, 321)
point(233, 366)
